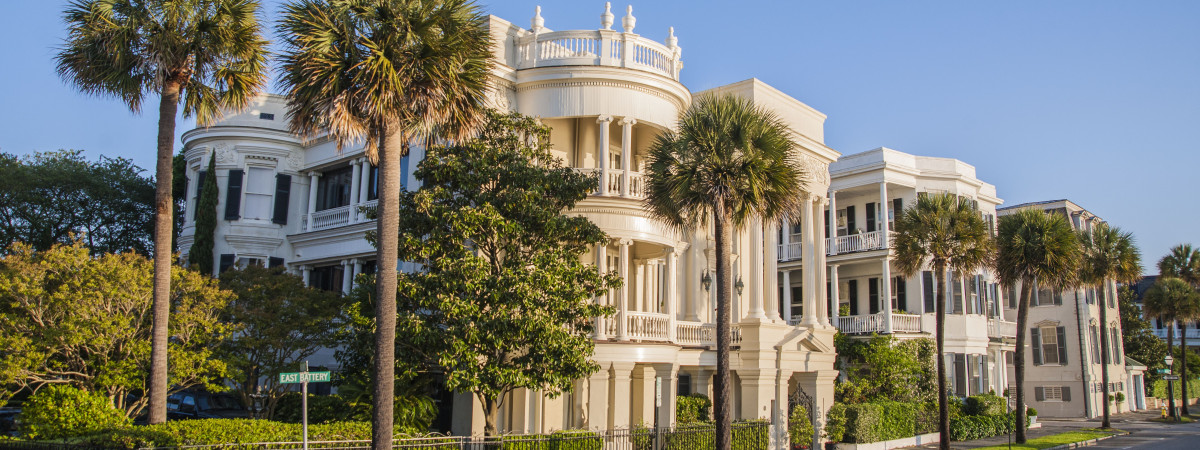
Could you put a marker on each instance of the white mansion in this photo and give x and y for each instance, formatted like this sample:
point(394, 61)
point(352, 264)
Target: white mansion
point(605, 94)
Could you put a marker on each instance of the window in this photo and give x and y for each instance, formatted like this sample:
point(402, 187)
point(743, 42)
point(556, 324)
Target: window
point(899, 295)
point(842, 224)
point(260, 187)
point(266, 116)
point(1091, 296)
point(977, 364)
point(1114, 342)
point(684, 385)
point(956, 283)
point(974, 307)
point(333, 189)
point(1049, 345)
point(327, 278)
point(1052, 393)
point(872, 211)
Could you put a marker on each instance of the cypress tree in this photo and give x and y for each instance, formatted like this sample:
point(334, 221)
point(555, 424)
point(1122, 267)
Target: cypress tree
point(200, 257)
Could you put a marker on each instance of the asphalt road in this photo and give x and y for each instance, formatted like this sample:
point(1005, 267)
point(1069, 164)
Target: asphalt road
point(1157, 436)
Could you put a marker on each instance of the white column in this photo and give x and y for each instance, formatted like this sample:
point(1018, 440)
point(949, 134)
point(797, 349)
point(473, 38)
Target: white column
point(785, 240)
point(809, 261)
point(355, 182)
point(347, 276)
point(602, 267)
point(623, 300)
point(771, 272)
point(602, 152)
point(886, 292)
point(364, 191)
point(755, 275)
point(884, 207)
point(642, 298)
point(358, 266)
point(626, 152)
point(787, 294)
point(306, 274)
point(313, 183)
point(819, 239)
point(832, 220)
point(672, 291)
point(833, 292)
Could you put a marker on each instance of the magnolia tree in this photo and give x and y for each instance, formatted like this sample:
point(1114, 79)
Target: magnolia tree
point(69, 318)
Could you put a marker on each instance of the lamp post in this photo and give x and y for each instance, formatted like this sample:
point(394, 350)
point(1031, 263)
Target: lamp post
point(1170, 386)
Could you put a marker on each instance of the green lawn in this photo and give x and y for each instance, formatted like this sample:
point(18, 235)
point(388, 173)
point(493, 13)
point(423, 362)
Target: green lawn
point(1054, 440)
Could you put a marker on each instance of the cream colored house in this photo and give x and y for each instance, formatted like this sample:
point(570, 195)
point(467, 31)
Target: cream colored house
point(1062, 367)
point(606, 93)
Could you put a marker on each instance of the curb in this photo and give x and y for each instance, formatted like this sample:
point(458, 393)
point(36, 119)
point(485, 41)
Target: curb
point(1086, 443)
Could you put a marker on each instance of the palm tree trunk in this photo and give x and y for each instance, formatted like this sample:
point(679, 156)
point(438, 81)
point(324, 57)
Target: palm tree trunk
point(1171, 352)
point(1183, 378)
point(164, 226)
point(1105, 357)
point(1019, 357)
point(392, 146)
point(721, 405)
point(940, 333)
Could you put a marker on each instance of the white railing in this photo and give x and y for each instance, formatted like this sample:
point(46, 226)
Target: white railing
point(329, 218)
point(1192, 333)
point(646, 326)
point(861, 242)
point(906, 323)
point(1001, 329)
point(695, 333)
point(591, 172)
point(791, 251)
point(614, 178)
point(861, 324)
point(637, 185)
point(597, 48)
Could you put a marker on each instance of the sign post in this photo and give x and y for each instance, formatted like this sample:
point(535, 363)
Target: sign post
point(304, 378)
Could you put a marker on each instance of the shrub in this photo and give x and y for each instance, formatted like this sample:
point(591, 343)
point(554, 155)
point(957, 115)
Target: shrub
point(412, 413)
point(1030, 411)
point(984, 405)
point(968, 428)
point(57, 412)
point(835, 423)
point(693, 408)
point(800, 430)
point(576, 440)
point(1160, 388)
point(747, 435)
point(227, 431)
point(1120, 397)
point(877, 421)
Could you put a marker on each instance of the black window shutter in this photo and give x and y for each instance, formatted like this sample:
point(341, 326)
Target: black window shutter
point(1057, 297)
point(960, 374)
point(233, 195)
point(927, 287)
point(897, 208)
point(827, 223)
point(1035, 337)
point(1039, 394)
point(274, 262)
point(852, 286)
point(850, 220)
point(870, 217)
point(1062, 344)
point(1066, 393)
point(873, 294)
point(283, 193)
point(226, 262)
point(901, 294)
point(798, 300)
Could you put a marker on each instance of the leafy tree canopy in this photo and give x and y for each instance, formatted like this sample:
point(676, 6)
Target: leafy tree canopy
point(503, 299)
point(69, 318)
point(884, 368)
point(1138, 340)
point(46, 198)
point(281, 323)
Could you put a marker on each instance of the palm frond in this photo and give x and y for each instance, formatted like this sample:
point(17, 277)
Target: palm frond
point(941, 230)
point(1036, 245)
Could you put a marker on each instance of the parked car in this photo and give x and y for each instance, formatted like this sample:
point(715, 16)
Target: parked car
point(8, 421)
point(204, 405)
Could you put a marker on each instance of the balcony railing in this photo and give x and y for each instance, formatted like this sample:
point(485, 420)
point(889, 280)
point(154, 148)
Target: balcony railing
point(695, 333)
point(614, 179)
point(598, 48)
point(862, 242)
point(791, 251)
point(906, 323)
point(1192, 333)
point(326, 219)
point(877, 323)
point(644, 326)
point(1001, 329)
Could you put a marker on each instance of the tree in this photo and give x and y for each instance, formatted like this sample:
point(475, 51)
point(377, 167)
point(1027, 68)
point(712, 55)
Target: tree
point(204, 239)
point(943, 232)
point(280, 322)
point(1108, 255)
point(69, 318)
point(1173, 300)
point(1033, 248)
point(884, 368)
point(1183, 263)
point(730, 163)
point(503, 299)
point(1138, 339)
point(209, 54)
point(55, 197)
point(389, 72)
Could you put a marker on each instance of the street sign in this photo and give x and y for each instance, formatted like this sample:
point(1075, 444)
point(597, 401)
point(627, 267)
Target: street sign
point(1164, 370)
point(1171, 377)
point(301, 377)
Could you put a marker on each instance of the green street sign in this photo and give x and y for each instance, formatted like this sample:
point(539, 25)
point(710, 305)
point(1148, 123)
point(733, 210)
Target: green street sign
point(300, 377)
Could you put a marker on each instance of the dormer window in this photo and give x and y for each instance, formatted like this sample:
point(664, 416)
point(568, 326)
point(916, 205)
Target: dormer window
point(266, 116)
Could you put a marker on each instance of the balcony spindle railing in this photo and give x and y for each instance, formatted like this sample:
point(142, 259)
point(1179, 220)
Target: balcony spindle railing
point(597, 48)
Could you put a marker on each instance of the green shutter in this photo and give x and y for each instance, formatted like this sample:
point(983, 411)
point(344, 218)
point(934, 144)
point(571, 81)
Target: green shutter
point(1062, 344)
point(1035, 336)
point(283, 194)
point(233, 195)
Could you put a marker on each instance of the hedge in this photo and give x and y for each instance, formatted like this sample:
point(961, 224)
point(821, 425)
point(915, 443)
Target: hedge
point(1160, 388)
point(747, 435)
point(227, 431)
point(879, 421)
point(558, 440)
point(693, 408)
point(59, 412)
point(985, 405)
point(968, 428)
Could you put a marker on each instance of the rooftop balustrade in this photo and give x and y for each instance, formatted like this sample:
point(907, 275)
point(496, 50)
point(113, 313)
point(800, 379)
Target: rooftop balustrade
point(602, 47)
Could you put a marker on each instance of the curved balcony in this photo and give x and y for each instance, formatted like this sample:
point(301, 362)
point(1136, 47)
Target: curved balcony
point(617, 183)
point(597, 48)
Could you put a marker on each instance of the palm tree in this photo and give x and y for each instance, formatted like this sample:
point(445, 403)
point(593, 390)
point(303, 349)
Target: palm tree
point(390, 72)
point(1173, 300)
point(727, 162)
point(1108, 255)
point(947, 233)
point(1184, 263)
point(1033, 248)
point(209, 54)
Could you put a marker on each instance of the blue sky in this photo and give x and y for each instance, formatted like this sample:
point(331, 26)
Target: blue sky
point(1095, 101)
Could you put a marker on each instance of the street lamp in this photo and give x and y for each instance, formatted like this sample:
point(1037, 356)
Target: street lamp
point(706, 280)
point(1170, 360)
point(739, 285)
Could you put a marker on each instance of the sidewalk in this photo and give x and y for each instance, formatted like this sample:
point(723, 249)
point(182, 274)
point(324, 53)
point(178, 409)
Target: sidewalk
point(1049, 427)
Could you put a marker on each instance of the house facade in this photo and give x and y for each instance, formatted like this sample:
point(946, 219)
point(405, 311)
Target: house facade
point(1063, 365)
point(868, 190)
point(606, 94)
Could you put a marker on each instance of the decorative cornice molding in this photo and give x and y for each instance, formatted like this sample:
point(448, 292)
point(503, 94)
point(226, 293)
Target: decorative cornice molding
point(598, 83)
